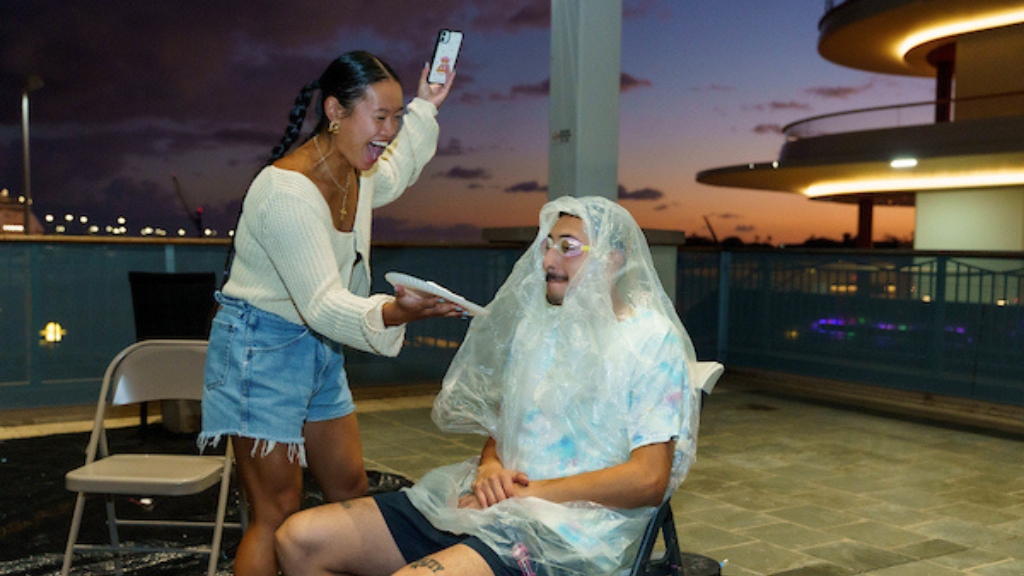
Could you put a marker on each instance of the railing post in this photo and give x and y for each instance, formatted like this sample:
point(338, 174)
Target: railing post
point(939, 314)
point(169, 262)
point(724, 265)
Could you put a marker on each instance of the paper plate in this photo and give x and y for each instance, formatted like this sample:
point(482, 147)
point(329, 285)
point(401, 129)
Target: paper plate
point(425, 287)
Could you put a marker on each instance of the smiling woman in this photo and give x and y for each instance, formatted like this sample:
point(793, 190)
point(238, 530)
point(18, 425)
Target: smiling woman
point(298, 289)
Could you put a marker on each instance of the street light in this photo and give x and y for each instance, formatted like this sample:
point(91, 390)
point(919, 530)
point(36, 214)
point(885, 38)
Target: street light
point(32, 84)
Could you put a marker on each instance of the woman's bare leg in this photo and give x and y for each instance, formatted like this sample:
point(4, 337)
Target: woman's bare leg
point(334, 451)
point(273, 489)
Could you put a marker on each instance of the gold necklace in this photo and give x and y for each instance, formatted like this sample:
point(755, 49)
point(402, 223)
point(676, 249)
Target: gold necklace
point(348, 179)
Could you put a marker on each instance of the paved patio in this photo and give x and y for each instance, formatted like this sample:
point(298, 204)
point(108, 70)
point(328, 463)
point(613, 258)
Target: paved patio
point(781, 486)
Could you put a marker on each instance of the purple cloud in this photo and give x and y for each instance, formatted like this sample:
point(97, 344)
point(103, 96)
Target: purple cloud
point(840, 92)
point(641, 194)
point(767, 129)
point(527, 187)
point(460, 173)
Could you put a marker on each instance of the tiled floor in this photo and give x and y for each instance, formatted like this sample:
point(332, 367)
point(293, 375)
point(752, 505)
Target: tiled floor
point(783, 486)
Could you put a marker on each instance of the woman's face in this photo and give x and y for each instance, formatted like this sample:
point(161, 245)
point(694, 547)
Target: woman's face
point(372, 124)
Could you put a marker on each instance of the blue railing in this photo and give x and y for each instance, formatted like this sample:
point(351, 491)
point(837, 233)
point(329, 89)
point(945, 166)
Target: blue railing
point(942, 323)
point(946, 323)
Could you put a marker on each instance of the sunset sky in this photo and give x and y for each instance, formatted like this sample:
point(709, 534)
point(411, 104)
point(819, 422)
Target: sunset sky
point(139, 91)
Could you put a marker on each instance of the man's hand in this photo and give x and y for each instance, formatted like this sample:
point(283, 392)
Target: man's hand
point(495, 483)
point(470, 501)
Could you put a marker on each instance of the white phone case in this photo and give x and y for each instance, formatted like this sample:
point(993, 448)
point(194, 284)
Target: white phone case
point(446, 51)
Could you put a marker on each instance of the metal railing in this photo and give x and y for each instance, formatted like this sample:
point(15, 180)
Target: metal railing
point(894, 116)
point(943, 323)
point(946, 323)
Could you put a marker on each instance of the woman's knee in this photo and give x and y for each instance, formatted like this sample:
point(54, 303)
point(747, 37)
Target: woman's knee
point(346, 485)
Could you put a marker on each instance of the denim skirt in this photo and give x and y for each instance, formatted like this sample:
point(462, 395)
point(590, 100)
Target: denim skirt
point(266, 377)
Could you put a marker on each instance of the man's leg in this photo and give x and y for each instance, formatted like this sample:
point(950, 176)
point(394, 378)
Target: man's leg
point(348, 538)
point(459, 560)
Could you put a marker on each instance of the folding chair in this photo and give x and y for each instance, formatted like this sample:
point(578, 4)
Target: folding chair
point(146, 371)
point(673, 562)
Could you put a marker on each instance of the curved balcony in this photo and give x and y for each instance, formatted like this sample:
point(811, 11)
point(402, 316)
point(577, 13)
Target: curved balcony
point(896, 36)
point(847, 155)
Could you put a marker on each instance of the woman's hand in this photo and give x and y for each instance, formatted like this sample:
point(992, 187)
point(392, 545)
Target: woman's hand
point(494, 483)
point(434, 93)
point(408, 306)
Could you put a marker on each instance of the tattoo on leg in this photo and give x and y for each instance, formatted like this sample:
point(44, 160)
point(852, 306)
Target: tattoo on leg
point(429, 563)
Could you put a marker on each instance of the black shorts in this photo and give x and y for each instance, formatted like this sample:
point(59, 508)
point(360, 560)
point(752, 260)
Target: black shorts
point(416, 536)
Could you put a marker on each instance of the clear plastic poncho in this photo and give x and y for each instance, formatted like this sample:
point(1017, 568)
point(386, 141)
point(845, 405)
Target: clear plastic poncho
point(566, 389)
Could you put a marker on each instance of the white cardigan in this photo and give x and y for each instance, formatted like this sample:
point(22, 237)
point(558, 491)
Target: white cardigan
point(291, 261)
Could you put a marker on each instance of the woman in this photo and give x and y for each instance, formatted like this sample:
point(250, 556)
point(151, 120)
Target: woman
point(297, 291)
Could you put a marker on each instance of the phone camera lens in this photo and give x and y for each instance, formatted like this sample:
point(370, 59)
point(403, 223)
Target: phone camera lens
point(444, 36)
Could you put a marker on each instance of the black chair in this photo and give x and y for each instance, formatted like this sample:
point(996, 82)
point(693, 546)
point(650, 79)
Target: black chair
point(176, 306)
point(673, 562)
point(172, 305)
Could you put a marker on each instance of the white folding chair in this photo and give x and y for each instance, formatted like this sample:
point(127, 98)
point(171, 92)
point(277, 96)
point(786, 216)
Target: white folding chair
point(671, 562)
point(147, 371)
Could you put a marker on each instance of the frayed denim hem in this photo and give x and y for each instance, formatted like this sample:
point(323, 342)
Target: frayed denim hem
point(262, 446)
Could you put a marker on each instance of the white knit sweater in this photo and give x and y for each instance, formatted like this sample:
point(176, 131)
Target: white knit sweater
point(291, 261)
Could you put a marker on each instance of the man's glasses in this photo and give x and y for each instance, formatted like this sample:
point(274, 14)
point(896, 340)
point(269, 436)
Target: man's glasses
point(567, 247)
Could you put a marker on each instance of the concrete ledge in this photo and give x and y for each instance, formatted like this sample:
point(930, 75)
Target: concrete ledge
point(526, 234)
point(950, 410)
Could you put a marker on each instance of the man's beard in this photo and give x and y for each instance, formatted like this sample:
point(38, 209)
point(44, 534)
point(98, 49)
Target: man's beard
point(552, 299)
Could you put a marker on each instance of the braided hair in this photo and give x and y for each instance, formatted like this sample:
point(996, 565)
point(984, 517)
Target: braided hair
point(346, 79)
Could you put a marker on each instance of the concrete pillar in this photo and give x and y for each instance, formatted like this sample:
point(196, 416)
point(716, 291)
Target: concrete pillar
point(586, 42)
point(979, 218)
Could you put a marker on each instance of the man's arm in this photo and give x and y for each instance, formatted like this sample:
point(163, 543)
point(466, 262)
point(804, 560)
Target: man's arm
point(640, 481)
point(494, 482)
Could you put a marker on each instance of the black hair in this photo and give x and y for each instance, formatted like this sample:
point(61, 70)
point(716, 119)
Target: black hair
point(346, 78)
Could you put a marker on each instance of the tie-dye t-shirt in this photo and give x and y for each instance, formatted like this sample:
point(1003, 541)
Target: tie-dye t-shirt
point(549, 432)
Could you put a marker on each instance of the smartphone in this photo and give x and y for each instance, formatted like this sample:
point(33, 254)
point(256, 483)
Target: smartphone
point(446, 51)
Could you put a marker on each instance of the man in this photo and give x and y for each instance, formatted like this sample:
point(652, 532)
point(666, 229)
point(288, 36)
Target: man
point(579, 379)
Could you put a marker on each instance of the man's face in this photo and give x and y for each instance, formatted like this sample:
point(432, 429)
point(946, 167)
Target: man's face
point(560, 268)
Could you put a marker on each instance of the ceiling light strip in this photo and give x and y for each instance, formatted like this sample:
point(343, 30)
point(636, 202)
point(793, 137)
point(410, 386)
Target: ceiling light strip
point(961, 26)
point(1015, 178)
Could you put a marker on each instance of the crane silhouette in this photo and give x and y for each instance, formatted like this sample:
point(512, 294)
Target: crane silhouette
point(194, 214)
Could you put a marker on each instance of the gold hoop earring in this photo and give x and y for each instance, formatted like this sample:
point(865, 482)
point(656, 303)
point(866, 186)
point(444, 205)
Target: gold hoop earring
point(333, 127)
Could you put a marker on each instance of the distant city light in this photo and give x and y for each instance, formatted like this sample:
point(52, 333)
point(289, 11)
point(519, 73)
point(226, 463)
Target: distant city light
point(121, 220)
point(83, 219)
point(14, 227)
point(48, 218)
point(69, 218)
point(181, 231)
point(53, 332)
